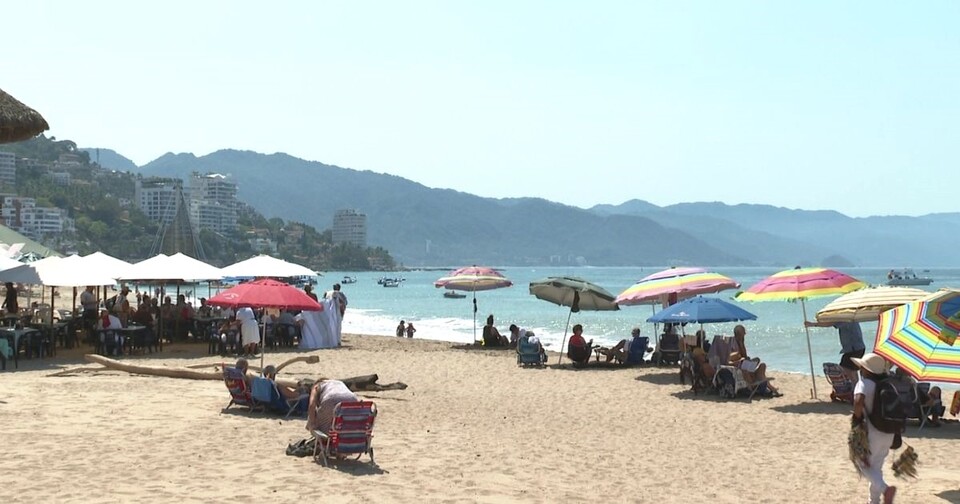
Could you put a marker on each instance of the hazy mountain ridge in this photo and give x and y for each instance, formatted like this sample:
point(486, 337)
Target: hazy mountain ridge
point(928, 240)
point(110, 159)
point(422, 225)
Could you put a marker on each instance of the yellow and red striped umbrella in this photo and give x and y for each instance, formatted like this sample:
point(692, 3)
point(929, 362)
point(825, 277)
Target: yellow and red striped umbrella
point(919, 337)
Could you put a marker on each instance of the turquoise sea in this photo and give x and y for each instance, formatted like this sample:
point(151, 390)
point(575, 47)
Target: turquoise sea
point(777, 335)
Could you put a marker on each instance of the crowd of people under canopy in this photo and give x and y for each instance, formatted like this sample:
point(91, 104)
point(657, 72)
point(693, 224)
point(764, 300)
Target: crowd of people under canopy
point(183, 321)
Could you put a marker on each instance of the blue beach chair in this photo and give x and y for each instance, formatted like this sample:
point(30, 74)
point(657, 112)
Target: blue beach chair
point(528, 354)
point(264, 391)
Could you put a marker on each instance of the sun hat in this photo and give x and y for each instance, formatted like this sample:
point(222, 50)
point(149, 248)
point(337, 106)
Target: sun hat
point(871, 362)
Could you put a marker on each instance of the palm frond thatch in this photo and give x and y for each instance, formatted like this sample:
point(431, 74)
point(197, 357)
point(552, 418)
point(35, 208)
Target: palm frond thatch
point(18, 121)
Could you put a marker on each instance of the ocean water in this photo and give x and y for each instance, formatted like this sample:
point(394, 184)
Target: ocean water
point(777, 336)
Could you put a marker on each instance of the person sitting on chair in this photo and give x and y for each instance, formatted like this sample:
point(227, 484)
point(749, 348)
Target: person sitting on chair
point(753, 370)
point(929, 399)
point(491, 336)
point(532, 339)
point(621, 351)
point(578, 349)
point(325, 396)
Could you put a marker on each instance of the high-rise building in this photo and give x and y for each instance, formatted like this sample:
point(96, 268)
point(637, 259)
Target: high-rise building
point(158, 197)
point(8, 168)
point(350, 226)
point(213, 202)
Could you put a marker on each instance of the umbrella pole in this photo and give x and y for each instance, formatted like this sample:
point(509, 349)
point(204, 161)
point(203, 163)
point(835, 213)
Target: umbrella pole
point(474, 317)
point(813, 378)
point(564, 340)
point(263, 340)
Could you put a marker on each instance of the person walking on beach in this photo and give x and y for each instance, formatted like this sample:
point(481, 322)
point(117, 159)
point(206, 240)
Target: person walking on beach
point(401, 329)
point(339, 297)
point(410, 329)
point(873, 371)
point(851, 344)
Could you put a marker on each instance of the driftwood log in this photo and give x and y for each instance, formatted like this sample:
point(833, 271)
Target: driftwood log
point(356, 383)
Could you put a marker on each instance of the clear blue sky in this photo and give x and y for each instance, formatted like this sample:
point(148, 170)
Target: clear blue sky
point(852, 106)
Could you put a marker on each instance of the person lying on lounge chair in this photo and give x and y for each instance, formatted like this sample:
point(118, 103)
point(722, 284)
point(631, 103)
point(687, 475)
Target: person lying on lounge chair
point(270, 373)
point(578, 349)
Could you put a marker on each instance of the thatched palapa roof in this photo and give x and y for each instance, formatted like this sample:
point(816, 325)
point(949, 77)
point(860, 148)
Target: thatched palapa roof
point(18, 121)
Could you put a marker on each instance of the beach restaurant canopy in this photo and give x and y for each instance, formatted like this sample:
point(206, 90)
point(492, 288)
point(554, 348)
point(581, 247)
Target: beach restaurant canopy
point(266, 266)
point(105, 264)
point(177, 268)
point(55, 271)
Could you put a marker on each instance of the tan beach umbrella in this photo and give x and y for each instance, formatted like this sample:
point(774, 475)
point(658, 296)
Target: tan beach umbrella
point(18, 121)
point(866, 305)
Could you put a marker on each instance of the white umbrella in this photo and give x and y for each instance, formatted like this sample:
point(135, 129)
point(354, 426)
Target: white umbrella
point(55, 271)
point(266, 266)
point(106, 264)
point(175, 268)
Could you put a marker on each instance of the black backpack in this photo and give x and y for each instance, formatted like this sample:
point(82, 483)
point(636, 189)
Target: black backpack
point(889, 412)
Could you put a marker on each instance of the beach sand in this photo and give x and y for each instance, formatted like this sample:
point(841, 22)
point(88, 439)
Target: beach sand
point(471, 427)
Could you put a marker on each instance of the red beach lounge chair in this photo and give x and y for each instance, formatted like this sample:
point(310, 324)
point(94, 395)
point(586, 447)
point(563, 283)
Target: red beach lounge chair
point(351, 432)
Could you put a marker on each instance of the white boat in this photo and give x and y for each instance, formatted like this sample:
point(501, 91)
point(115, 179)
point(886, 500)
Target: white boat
point(348, 280)
point(392, 282)
point(454, 295)
point(906, 276)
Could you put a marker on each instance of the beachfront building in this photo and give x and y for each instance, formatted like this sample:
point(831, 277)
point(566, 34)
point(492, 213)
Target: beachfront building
point(350, 226)
point(25, 217)
point(8, 168)
point(213, 202)
point(157, 197)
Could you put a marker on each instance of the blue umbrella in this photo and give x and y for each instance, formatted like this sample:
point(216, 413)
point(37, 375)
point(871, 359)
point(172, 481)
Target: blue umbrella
point(702, 310)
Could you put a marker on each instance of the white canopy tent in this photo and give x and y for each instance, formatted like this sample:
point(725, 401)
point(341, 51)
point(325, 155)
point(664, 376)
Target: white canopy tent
point(106, 264)
point(174, 269)
point(266, 266)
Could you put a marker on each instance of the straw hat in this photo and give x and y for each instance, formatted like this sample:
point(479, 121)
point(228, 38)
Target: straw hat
point(871, 362)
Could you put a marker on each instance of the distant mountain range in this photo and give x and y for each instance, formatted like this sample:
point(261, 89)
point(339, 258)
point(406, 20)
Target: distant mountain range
point(424, 226)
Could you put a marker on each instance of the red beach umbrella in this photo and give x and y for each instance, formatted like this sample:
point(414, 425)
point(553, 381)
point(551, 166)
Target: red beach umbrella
point(265, 293)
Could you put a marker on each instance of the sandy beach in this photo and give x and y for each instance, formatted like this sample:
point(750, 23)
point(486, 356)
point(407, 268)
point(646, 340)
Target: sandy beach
point(471, 427)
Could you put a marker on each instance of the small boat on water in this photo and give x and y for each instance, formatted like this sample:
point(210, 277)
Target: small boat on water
point(348, 280)
point(392, 282)
point(384, 280)
point(454, 295)
point(907, 277)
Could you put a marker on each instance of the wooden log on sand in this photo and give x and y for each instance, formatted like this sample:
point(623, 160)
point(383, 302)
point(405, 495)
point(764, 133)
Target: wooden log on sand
point(356, 383)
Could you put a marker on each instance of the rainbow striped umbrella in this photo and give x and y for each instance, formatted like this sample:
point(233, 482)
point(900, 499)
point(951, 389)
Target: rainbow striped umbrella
point(919, 337)
point(801, 283)
point(473, 279)
point(684, 282)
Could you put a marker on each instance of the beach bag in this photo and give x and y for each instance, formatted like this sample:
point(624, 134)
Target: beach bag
point(889, 413)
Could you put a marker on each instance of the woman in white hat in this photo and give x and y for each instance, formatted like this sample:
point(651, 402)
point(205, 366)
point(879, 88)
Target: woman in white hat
point(872, 370)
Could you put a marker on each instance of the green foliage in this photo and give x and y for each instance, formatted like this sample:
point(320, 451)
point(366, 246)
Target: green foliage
point(93, 201)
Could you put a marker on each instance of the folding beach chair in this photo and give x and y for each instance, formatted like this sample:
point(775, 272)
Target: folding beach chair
point(842, 385)
point(237, 386)
point(351, 432)
point(730, 383)
point(528, 354)
point(638, 348)
point(264, 391)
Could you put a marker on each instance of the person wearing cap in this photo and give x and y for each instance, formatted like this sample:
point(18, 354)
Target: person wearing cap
point(872, 369)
